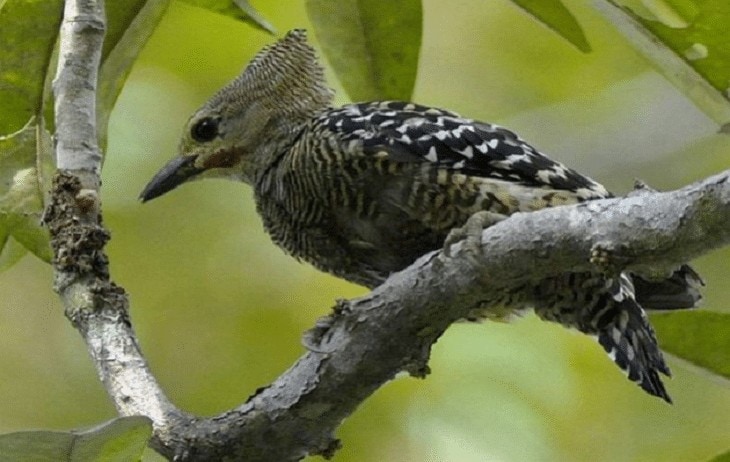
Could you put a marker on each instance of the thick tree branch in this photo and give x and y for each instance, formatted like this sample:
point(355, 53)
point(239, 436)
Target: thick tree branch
point(74, 88)
point(366, 341)
point(96, 306)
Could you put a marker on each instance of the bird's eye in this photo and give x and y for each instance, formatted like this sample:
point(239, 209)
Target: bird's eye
point(205, 130)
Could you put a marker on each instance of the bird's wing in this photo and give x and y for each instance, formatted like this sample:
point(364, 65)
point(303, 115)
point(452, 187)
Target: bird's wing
point(407, 132)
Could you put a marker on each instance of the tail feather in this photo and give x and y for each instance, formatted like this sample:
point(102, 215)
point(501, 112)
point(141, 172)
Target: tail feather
point(607, 307)
point(679, 291)
point(629, 339)
point(638, 357)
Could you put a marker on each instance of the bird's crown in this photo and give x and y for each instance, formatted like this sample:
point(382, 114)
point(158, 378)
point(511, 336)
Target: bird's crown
point(241, 129)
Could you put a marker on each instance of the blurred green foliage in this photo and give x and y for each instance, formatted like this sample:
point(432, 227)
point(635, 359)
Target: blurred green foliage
point(696, 29)
point(29, 30)
point(702, 338)
point(238, 9)
point(372, 45)
point(557, 17)
point(220, 311)
point(685, 41)
point(27, 65)
point(722, 458)
point(120, 440)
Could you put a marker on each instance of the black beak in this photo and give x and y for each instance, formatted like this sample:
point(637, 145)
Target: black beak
point(172, 175)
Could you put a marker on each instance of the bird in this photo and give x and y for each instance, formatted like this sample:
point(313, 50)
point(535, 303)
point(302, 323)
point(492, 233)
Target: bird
point(363, 190)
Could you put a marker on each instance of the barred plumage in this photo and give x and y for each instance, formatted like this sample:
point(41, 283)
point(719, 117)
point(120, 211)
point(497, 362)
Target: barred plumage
point(363, 190)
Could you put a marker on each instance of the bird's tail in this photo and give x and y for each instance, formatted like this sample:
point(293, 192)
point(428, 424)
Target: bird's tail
point(625, 333)
point(608, 308)
point(678, 291)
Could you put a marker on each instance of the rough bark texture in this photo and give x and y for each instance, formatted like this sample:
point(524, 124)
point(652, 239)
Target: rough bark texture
point(365, 342)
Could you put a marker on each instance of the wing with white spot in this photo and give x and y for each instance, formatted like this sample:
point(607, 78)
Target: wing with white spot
point(409, 132)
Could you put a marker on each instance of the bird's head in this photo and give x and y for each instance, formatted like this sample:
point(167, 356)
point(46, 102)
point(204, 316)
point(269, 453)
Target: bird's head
point(244, 127)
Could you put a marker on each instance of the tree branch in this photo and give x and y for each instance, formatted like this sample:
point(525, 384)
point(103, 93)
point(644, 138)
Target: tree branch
point(96, 306)
point(366, 341)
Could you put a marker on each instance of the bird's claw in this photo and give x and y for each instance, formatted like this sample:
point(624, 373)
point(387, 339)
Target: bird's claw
point(607, 259)
point(471, 232)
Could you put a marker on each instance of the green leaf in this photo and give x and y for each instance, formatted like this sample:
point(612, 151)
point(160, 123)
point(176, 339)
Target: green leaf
point(25, 162)
point(372, 45)
point(236, 9)
point(700, 337)
point(120, 440)
point(724, 457)
point(673, 13)
point(686, 40)
point(557, 17)
point(11, 252)
point(255, 15)
point(29, 31)
point(130, 25)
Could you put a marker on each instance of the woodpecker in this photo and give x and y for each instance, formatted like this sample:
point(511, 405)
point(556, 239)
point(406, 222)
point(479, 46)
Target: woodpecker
point(363, 190)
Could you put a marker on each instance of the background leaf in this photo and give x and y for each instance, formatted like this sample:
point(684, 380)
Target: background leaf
point(123, 439)
point(255, 15)
point(557, 17)
point(373, 46)
point(686, 40)
point(236, 9)
point(130, 25)
point(700, 337)
point(725, 457)
point(120, 440)
point(25, 161)
point(29, 31)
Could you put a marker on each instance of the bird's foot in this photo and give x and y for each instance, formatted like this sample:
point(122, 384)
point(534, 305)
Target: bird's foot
point(471, 232)
point(607, 259)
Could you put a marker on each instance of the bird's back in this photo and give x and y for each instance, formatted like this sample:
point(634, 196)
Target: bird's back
point(370, 187)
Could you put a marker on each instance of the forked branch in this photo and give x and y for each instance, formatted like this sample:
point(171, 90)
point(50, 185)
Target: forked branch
point(366, 341)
